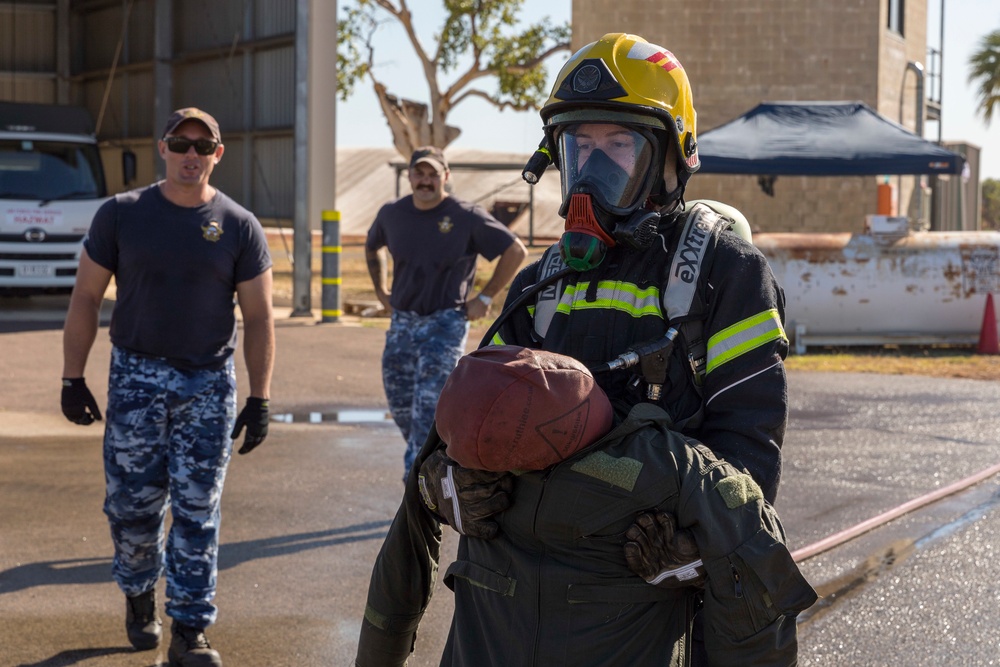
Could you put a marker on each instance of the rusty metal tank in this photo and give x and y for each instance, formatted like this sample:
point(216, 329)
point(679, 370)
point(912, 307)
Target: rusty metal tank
point(884, 288)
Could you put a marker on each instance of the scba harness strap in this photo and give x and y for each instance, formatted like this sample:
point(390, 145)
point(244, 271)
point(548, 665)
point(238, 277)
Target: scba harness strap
point(681, 299)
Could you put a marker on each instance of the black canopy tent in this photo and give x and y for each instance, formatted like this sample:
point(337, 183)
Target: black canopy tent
point(820, 139)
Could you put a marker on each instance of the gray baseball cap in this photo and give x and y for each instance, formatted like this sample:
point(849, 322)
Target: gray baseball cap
point(191, 113)
point(432, 155)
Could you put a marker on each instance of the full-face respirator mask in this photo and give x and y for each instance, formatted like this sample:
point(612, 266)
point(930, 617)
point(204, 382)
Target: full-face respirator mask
point(630, 100)
point(608, 171)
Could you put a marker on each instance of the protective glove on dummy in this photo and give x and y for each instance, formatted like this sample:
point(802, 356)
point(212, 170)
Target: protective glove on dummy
point(494, 419)
point(663, 554)
point(78, 403)
point(464, 499)
point(255, 417)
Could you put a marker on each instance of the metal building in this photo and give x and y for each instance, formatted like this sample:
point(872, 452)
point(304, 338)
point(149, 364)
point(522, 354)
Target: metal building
point(264, 68)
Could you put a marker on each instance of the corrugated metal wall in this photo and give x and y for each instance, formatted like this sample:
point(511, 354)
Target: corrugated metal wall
point(274, 17)
point(215, 86)
point(27, 37)
point(234, 58)
point(28, 89)
point(209, 25)
point(273, 172)
point(27, 51)
point(274, 107)
point(97, 38)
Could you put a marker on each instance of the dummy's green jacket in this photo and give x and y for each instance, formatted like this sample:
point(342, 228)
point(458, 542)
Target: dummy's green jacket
point(554, 588)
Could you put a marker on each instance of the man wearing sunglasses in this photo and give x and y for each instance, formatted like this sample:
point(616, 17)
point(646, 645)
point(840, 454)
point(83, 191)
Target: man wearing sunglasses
point(179, 250)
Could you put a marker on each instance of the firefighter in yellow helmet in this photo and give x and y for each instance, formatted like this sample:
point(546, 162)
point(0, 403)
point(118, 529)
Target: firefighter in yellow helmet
point(620, 124)
point(621, 127)
point(636, 266)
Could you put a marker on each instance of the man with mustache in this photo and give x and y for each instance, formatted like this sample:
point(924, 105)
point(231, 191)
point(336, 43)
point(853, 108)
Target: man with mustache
point(434, 239)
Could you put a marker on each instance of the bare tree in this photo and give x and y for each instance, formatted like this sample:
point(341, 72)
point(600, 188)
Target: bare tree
point(482, 34)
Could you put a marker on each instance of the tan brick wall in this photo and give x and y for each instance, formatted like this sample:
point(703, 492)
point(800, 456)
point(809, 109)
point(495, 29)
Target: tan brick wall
point(800, 203)
point(896, 84)
point(739, 53)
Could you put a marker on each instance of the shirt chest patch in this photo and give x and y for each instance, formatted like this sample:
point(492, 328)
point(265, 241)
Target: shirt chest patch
point(211, 231)
point(445, 225)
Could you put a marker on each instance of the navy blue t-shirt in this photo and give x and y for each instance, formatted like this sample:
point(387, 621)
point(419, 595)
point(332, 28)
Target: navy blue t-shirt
point(434, 252)
point(176, 270)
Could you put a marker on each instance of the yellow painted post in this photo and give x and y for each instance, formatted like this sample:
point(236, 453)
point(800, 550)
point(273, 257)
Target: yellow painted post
point(331, 266)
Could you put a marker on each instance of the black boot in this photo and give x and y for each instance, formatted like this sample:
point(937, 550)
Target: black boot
point(189, 647)
point(141, 623)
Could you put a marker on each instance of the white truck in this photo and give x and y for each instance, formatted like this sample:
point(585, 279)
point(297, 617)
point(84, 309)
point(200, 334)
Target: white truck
point(51, 183)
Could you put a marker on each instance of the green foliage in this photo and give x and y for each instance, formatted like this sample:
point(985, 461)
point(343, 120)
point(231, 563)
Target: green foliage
point(984, 67)
point(479, 39)
point(524, 89)
point(355, 29)
point(991, 204)
point(471, 25)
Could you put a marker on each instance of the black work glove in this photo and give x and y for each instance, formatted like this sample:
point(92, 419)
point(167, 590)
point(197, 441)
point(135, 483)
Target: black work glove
point(661, 553)
point(254, 416)
point(78, 403)
point(463, 498)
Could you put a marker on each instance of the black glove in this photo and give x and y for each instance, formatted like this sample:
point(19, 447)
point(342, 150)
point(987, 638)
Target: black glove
point(78, 403)
point(464, 499)
point(662, 554)
point(254, 416)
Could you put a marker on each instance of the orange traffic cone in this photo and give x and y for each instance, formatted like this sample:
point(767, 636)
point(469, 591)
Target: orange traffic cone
point(988, 342)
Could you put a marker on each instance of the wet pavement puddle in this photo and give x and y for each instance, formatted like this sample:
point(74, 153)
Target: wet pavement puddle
point(334, 417)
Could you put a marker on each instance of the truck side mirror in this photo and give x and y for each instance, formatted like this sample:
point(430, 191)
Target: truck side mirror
point(128, 166)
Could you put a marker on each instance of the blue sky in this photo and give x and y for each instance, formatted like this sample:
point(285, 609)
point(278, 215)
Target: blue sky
point(360, 121)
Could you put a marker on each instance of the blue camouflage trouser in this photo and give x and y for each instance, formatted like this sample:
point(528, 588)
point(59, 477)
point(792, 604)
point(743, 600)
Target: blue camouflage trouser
point(167, 442)
point(420, 353)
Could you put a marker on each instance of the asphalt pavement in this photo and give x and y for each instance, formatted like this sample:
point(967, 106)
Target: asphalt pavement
point(304, 514)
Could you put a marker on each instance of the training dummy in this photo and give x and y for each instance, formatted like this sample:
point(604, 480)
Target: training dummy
point(552, 578)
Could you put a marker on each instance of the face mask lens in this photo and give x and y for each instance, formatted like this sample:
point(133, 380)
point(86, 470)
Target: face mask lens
point(612, 160)
point(183, 144)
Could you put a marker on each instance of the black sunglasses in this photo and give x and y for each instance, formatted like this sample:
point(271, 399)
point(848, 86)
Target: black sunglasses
point(182, 144)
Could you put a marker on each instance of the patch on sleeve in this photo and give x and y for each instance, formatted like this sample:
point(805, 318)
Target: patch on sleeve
point(621, 472)
point(380, 621)
point(739, 490)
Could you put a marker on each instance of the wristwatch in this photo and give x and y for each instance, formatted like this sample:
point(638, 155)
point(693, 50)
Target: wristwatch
point(485, 299)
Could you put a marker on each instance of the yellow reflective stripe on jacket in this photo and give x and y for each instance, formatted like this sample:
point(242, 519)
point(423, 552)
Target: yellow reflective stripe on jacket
point(742, 337)
point(612, 295)
point(498, 339)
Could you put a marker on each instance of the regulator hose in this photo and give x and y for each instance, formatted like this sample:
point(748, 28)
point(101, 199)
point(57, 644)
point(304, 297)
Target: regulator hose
point(519, 301)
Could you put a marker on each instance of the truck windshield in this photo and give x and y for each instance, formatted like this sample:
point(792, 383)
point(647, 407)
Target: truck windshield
point(48, 170)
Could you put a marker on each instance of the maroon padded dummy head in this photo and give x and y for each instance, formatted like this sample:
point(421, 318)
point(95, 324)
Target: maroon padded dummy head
point(512, 408)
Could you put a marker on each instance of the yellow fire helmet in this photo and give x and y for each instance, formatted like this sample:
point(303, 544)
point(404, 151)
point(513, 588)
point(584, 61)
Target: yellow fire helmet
point(624, 79)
